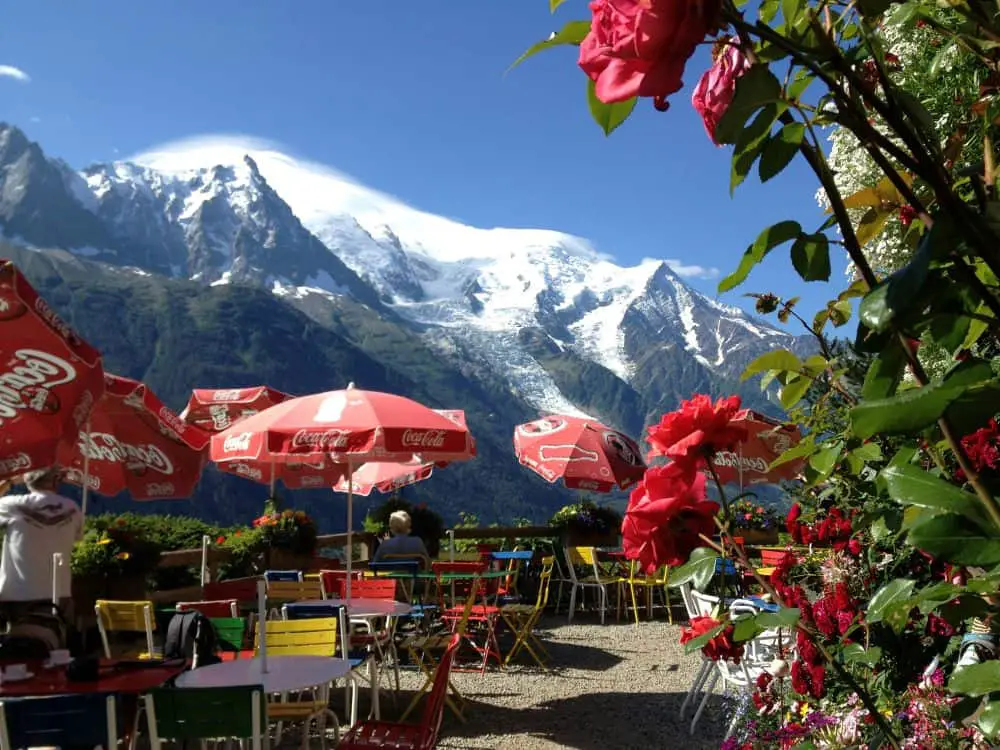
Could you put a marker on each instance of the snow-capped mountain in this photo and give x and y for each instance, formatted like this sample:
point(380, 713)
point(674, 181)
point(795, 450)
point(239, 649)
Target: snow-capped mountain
point(536, 307)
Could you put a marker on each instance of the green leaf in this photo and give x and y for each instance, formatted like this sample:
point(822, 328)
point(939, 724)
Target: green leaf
point(805, 448)
point(791, 10)
point(754, 89)
point(825, 459)
point(779, 359)
point(780, 150)
point(885, 373)
point(751, 142)
point(989, 719)
point(976, 679)
point(697, 571)
point(768, 10)
point(910, 485)
point(917, 408)
point(899, 293)
point(794, 391)
point(811, 257)
point(554, 4)
point(873, 8)
point(956, 539)
point(573, 32)
point(889, 599)
point(934, 69)
point(745, 628)
point(608, 116)
point(785, 617)
point(770, 238)
point(855, 653)
point(862, 455)
point(870, 225)
point(799, 85)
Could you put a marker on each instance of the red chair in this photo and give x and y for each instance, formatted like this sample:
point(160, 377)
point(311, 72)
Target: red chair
point(333, 581)
point(373, 588)
point(214, 608)
point(482, 614)
point(423, 736)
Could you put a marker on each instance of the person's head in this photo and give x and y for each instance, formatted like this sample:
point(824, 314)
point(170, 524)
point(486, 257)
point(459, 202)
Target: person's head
point(399, 523)
point(42, 480)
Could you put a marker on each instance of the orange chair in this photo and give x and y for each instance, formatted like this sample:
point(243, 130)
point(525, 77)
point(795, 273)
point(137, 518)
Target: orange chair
point(214, 608)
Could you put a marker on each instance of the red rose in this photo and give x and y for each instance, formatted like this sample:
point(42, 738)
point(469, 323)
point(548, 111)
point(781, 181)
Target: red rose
point(719, 646)
point(220, 540)
point(666, 512)
point(697, 428)
point(714, 92)
point(640, 47)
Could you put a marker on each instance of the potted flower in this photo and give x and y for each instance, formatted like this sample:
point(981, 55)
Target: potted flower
point(754, 523)
point(587, 524)
point(112, 561)
point(289, 539)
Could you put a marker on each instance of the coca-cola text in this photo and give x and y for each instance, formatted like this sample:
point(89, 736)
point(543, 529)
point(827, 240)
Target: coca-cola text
point(237, 443)
point(100, 446)
point(423, 439)
point(749, 463)
point(30, 369)
point(321, 442)
point(14, 464)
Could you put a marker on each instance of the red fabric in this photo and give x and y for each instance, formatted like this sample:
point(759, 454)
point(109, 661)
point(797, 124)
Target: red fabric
point(137, 444)
point(584, 453)
point(50, 378)
point(215, 409)
point(348, 425)
point(124, 681)
point(384, 477)
point(765, 440)
point(310, 474)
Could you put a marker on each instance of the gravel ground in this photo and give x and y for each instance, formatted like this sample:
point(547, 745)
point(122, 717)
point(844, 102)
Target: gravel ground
point(613, 687)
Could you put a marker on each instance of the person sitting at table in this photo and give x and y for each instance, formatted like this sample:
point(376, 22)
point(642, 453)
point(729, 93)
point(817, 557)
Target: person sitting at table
point(400, 543)
point(36, 526)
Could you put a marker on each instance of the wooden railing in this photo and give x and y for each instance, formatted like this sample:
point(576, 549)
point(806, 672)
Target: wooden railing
point(363, 541)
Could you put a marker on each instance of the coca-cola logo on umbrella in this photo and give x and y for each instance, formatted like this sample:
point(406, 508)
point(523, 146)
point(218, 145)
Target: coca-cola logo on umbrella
point(30, 376)
point(237, 443)
point(543, 426)
point(321, 442)
point(623, 447)
point(160, 489)
point(246, 470)
point(568, 453)
point(423, 439)
point(101, 446)
point(14, 464)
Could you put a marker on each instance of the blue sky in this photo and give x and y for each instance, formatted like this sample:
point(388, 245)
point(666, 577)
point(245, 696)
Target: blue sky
point(408, 98)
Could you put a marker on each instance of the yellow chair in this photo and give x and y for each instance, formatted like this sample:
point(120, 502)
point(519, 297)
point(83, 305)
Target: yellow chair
point(126, 617)
point(586, 557)
point(311, 637)
point(522, 618)
point(658, 580)
point(282, 592)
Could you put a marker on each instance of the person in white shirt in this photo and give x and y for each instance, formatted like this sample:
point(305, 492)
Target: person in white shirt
point(35, 527)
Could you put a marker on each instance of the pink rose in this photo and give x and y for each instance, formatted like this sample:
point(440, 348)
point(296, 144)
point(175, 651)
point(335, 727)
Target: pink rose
point(714, 92)
point(640, 47)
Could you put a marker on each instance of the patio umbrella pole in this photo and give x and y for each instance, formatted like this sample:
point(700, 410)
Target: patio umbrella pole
point(86, 474)
point(205, 540)
point(262, 624)
point(350, 523)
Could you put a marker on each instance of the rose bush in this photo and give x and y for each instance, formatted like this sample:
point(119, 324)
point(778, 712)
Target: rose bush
point(901, 475)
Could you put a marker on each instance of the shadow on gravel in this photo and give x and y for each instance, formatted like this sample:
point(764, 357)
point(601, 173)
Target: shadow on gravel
point(596, 721)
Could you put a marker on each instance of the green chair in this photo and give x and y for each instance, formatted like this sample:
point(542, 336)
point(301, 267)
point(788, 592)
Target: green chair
point(230, 633)
point(181, 714)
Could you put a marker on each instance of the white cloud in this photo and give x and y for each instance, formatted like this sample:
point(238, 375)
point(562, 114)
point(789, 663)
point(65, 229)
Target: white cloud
point(34, 119)
point(693, 271)
point(9, 71)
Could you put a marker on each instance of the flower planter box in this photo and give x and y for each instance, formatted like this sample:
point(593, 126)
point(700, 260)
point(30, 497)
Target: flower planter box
point(283, 559)
point(757, 536)
point(579, 538)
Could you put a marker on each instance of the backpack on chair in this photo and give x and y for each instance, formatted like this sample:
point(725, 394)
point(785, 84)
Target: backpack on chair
point(191, 636)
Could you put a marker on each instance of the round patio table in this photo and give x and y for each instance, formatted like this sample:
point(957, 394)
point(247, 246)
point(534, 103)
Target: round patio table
point(364, 608)
point(284, 673)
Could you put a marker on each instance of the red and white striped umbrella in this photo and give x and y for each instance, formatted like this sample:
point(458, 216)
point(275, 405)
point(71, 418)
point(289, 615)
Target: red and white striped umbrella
point(766, 440)
point(584, 453)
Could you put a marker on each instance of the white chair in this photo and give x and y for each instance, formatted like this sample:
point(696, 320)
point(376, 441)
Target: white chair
point(701, 607)
point(587, 557)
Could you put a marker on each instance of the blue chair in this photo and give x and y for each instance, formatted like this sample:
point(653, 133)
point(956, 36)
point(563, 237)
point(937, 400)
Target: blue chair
point(282, 576)
point(729, 568)
point(59, 721)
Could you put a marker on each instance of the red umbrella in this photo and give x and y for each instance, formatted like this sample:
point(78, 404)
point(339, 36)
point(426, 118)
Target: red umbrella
point(766, 440)
point(50, 378)
point(294, 475)
point(135, 443)
point(215, 409)
point(586, 454)
point(385, 478)
point(349, 426)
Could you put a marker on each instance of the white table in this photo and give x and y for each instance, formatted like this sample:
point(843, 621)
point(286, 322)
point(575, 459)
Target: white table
point(366, 608)
point(284, 673)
